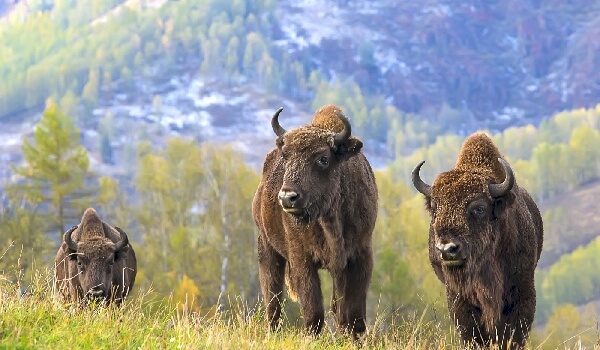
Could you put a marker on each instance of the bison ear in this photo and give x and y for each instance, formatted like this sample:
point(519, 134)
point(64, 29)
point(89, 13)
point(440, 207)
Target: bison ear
point(501, 203)
point(122, 253)
point(349, 147)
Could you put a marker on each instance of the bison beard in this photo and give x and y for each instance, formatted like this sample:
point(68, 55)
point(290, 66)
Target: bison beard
point(315, 207)
point(485, 238)
point(480, 282)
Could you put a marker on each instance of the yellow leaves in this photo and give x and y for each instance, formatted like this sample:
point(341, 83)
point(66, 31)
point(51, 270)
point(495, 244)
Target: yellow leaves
point(187, 295)
point(402, 230)
point(524, 173)
point(108, 189)
point(575, 269)
point(153, 174)
point(568, 325)
point(194, 199)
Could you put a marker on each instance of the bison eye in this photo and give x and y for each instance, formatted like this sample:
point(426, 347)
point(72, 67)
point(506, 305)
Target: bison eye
point(479, 210)
point(323, 162)
point(80, 265)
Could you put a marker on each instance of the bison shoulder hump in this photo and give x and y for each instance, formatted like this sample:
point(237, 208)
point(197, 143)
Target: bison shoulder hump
point(326, 118)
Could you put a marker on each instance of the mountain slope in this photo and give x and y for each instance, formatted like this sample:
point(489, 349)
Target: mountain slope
point(576, 213)
point(499, 62)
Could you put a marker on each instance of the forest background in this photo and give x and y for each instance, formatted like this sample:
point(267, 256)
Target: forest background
point(157, 114)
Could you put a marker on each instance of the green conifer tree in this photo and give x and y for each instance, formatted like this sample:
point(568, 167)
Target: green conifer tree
point(56, 164)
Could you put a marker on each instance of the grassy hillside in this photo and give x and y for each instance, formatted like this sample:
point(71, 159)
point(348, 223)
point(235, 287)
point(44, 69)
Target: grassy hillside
point(35, 320)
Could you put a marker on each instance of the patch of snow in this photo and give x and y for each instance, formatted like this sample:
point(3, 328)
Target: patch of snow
point(9, 140)
point(132, 4)
point(211, 99)
point(135, 111)
point(531, 88)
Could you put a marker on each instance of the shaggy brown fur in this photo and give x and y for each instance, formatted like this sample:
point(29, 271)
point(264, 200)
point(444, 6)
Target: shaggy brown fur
point(91, 264)
point(326, 118)
point(491, 293)
point(329, 224)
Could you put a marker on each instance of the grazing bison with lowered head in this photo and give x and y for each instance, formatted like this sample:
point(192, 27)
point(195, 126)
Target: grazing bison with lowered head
point(315, 207)
point(485, 239)
point(95, 261)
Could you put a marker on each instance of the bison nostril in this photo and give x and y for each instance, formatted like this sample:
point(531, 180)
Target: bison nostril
point(448, 248)
point(451, 248)
point(288, 197)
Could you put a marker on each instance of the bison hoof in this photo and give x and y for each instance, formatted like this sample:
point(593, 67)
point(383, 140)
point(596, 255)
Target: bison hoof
point(314, 325)
point(356, 328)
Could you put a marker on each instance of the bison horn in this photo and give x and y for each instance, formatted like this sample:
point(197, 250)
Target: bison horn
point(419, 184)
point(69, 241)
point(345, 133)
point(275, 123)
point(123, 241)
point(499, 190)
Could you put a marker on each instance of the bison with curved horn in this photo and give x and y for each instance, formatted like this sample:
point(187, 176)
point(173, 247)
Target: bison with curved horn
point(95, 262)
point(315, 208)
point(485, 239)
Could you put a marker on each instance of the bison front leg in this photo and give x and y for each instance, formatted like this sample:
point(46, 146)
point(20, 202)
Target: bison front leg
point(517, 316)
point(350, 288)
point(306, 286)
point(467, 320)
point(271, 272)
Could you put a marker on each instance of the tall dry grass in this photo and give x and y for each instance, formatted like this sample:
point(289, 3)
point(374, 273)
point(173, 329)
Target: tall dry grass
point(31, 317)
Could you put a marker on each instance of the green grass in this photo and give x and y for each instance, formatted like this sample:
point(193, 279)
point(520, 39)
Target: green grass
point(39, 321)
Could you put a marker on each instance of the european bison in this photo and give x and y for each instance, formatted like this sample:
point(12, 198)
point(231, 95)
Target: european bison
point(485, 239)
point(315, 207)
point(95, 261)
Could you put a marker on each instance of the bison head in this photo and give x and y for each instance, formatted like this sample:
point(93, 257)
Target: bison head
point(311, 156)
point(95, 259)
point(463, 205)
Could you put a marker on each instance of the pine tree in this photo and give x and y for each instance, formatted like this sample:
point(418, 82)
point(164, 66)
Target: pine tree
point(55, 168)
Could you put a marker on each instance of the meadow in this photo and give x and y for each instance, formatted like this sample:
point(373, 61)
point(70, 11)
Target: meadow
point(32, 318)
